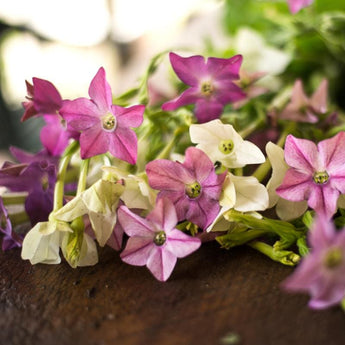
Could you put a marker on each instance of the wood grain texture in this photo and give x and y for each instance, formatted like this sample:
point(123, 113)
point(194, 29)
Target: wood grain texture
point(213, 296)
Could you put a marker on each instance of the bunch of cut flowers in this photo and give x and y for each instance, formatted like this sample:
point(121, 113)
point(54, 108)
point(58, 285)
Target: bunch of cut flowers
point(154, 177)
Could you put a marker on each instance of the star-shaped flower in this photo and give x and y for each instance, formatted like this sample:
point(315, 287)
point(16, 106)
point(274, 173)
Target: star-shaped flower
point(297, 5)
point(304, 109)
point(211, 84)
point(322, 271)
point(104, 126)
point(223, 144)
point(154, 241)
point(316, 173)
point(193, 187)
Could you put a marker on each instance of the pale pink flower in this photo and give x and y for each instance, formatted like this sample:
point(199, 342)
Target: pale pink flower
point(316, 173)
point(154, 241)
point(322, 271)
point(297, 5)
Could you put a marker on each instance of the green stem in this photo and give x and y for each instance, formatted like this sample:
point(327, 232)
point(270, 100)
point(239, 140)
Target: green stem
point(165, 153)
point(60, 181)
point(84, 168)
point(283, 256)
point(233, 239)
point(251, 128)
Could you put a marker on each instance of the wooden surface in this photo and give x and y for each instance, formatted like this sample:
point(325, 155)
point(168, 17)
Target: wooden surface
point(214, 296)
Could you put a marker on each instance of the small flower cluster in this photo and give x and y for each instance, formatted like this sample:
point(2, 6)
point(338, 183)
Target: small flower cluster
point(157, 178)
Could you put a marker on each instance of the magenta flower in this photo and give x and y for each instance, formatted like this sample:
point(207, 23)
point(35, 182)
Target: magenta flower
point(154, 241)
point(211, 84)
point(322, 271)
point(304, 109)
point(43, 99)
point(316, 173)
point(296, 5)
point(104, 126)
point(193, 187)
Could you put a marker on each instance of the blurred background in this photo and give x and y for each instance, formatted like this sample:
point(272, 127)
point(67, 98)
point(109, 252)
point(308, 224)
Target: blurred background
point(66, 41)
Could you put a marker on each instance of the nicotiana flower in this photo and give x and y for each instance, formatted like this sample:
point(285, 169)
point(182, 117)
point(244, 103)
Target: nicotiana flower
point(193, 186)
point(242, 193)
point(211, 84)
point(10, 238)
point(42, 243)
point(304, 109)
point(99, 202)
point(43, 99)
point(104, 126)
point(322, 271)
point(38, 179)
point(285, 209)
point(316, 173)
point(223, 144)
point(154, 241)
point(297, 5)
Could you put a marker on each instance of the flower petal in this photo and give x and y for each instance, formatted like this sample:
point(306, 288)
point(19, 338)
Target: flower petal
point(188, 69)
point(93, 141)
point(161, 263)
point(181, 244)
point(100, 92)
point(224, 68)
point(137, 251)
point(206, 110)
point(189, 96)
point(129, 117)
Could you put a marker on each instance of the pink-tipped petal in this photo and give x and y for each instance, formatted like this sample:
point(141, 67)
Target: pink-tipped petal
point(93, 142)
point(323, 200)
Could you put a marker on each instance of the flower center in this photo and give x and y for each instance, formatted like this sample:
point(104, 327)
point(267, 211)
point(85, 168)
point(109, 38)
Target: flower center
point(207, 88)
point(109, 122)
point(226, 146)
point(321, 177)
point(333, 258)
point(193, 190)
point(160, 238)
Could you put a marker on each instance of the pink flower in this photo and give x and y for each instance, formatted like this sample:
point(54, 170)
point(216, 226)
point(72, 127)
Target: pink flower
point(316, 173)
point(322, 271)
point(193, 187)
point(211, 84)
point(154, 241)
point(296, 5)
point(103, 125)
point(43, 98)
point(304, 109)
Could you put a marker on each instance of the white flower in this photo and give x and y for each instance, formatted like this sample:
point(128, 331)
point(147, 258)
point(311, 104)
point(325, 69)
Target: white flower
point(42, 243)
point(242, 193)
point(223, 144)
point(99, 202)
point(285, 209)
